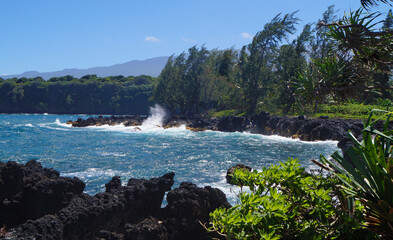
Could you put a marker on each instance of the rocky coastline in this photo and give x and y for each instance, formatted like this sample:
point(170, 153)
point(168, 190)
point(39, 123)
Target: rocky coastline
point(300, 127)
point(38, 203)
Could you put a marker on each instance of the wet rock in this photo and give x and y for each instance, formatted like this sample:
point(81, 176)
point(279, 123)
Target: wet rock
point(232, 124)
point(135, 120)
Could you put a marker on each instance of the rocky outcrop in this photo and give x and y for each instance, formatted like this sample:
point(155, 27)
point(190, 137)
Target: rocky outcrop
point(300, 127)
point(31, 191)
point(135, 120)
point(44, 205)
point(189, 207)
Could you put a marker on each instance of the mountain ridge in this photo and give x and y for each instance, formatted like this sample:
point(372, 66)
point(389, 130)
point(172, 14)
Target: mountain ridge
point(150, 66)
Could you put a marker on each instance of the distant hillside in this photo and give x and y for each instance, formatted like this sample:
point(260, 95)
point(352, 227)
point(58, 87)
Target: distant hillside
point(151, 67)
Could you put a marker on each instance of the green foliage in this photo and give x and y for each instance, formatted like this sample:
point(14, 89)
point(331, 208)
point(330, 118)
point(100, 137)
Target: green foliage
point(369, 3)
point(223, 113)
point(257, 62)
point(355, 33)
point(290, 60)
point(370, 173)
point(286, 202)
point(89, 94)
point(357, 110)
point(200, 81)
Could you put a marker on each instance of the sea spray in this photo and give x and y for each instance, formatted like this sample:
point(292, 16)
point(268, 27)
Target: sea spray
point(156, 119)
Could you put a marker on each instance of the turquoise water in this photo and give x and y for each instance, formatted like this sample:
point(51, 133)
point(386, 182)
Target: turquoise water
point(96, 154)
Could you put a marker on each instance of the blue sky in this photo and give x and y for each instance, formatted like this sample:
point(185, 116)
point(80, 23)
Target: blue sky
point(50, 35)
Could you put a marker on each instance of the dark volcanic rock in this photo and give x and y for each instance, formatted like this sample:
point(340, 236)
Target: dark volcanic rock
point(148, 229)
point(232, 124)
point(201, 124)
point(113, 184)
point(85, 216)
point(188, 206)
point(106, 235)
point(30, 191)
point(45, 206)
point(300, 127)
point(231, 171)
point(135, 120)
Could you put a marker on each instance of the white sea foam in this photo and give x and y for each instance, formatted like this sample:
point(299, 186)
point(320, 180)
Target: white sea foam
point(157, 117)
point(115, 154)
point(93, 173)
point(58, 123)
point(23, 125)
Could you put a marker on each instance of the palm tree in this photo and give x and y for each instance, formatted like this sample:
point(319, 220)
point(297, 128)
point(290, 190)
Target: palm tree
point(370, 3)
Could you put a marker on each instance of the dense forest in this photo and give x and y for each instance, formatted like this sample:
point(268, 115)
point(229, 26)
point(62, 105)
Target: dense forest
point(88, 95)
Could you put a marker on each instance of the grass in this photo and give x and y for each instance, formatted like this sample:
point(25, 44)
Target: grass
point(347, 111)
point(335, 111)
point(231, 112)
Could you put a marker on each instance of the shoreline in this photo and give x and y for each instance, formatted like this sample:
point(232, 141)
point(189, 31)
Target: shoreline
point(302, 128)
point(126, 212)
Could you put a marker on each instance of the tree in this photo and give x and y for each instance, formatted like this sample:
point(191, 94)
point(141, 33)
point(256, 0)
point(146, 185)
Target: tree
point(321, 46)
point(256, 58)
point(370, 3)
point(291, 59)
point(194, 70)
point(215, 76)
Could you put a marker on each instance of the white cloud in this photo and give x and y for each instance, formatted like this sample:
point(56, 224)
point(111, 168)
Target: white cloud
point(246, 35)
point(152, 39)
point(187, 40)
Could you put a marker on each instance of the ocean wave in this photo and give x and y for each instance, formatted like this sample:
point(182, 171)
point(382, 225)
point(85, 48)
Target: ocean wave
point(115, 154)
point(93, 173)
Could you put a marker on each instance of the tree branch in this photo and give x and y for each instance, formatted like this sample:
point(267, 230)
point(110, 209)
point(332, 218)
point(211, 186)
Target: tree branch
point(363, 28)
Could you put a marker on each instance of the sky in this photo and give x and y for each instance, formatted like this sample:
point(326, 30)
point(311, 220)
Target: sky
point(48, 35)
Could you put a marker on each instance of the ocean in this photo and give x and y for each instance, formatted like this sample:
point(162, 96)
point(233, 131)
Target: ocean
point(96, 154)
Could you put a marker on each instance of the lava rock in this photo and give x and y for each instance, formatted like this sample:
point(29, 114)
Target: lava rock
point(149, 229)
point(113, 184)
point(30, 191)
point(188, 208)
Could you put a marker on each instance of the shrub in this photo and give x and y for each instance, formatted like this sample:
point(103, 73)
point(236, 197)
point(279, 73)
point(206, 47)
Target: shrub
point(286, 202)
point(370, 173)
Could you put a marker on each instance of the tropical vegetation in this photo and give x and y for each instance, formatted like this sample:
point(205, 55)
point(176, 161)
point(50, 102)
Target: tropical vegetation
point(354, 198)
point(88, 95)
point(336, 61)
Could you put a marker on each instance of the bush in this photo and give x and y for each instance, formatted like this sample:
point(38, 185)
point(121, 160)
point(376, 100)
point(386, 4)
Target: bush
point(369, 170)
point(286, 202)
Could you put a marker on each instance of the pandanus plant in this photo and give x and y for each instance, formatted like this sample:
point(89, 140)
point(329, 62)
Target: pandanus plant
point(367, 174)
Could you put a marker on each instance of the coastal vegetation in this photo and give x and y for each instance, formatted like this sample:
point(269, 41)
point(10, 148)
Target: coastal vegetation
point(284, 201)
point(68, 95)
point(331, 63)
point(350, 197)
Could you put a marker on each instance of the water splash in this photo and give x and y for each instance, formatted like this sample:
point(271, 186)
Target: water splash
point(156, 119)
